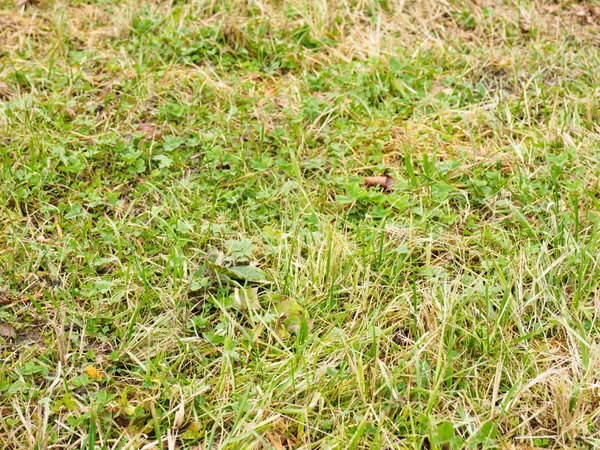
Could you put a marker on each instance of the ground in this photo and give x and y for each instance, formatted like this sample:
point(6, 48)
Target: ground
point(190, 257)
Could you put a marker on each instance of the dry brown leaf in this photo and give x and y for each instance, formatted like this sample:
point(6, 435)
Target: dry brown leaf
point(551, 8)
point(71, 113)
point(275, 441)
point(22, 3)
point(31, 336)
point(385, 181)
point(150, 130)
point(5, 299)
point(7, 331)
point(5, 90)
point(525, 24)
point(589, 13)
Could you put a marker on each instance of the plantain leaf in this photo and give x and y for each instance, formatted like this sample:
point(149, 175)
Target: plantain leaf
point(246, 274)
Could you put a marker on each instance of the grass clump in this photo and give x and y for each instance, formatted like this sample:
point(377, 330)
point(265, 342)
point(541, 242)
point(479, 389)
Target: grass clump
point(189, 256)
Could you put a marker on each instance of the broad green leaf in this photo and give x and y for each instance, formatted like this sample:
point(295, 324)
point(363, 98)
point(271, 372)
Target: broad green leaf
point(445, 432)
point(248, 273)
point(292, 319)
point(488, 431)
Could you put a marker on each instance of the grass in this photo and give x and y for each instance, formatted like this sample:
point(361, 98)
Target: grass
point(189, 257)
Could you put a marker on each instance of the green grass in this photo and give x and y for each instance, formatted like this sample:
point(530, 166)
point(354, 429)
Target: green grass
point(230, 282)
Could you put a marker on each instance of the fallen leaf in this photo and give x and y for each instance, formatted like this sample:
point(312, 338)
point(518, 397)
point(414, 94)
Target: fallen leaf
point(291, 316)
point(31, 336)
point(7, 331)
point(92, 372)
point(590, 13)
point(384, 181)
point(5, 90)
point(150, 130)
point(525, 24)
point(180, 413)
point(275, 441)
point(22, 2)
point(551, 8)
point(247, 274)
point(247, 299)
point(5, 299)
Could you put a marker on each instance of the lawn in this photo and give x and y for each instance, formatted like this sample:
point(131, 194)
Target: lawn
point(192, 258)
